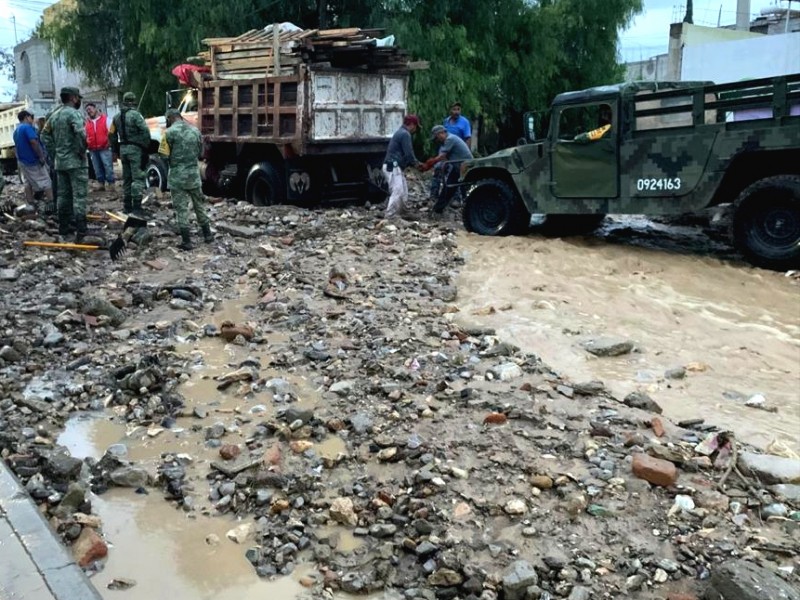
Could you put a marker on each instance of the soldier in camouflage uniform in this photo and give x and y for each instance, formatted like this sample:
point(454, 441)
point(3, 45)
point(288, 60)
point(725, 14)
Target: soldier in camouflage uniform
point(130, 138)
point(181, 147)
point(64, 136)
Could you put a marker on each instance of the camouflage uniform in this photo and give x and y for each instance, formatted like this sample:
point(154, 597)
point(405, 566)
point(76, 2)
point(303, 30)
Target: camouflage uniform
point(181, 146)
point(129, 131)
point(64, 136)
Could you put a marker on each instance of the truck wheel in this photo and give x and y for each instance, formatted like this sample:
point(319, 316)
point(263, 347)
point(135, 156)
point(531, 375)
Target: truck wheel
point(766, 222)
point(493, 208)
point(565, 225)
point(155, 174)
point(264, 186)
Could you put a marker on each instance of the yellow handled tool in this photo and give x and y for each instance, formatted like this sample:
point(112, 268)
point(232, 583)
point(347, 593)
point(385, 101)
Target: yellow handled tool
point(63, 246)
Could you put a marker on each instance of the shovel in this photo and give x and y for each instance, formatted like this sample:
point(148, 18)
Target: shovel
point(132, 224)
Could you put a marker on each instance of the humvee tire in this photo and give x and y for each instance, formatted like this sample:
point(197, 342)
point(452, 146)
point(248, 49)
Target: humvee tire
point(155, 173)
point(493, 208)
point(565, 225)
point(766, 222)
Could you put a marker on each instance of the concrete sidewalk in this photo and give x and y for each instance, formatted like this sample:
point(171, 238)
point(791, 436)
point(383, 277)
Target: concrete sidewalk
point(34, 565)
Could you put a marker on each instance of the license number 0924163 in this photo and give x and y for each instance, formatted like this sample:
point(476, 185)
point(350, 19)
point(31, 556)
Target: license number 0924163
point(657, 184)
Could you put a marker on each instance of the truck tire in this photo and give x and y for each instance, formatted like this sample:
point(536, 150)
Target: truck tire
point(566, 225)
point(766, 222)
point(493, 208)
point(155, 174)
point(264, 185)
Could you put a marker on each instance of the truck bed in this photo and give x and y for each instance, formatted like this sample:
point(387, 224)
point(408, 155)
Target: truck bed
point(310, 110)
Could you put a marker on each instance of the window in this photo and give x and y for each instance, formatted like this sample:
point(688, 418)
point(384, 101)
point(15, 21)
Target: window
point(573, 121)
point(25, 67)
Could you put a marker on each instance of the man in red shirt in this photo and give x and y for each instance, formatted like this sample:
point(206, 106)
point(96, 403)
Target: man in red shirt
point(97, 125)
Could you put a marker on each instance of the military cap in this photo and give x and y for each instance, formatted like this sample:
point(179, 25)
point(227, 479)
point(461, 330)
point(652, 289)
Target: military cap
point(129, 98)
point(72, 91)
point(437, 129)
point(172, 112)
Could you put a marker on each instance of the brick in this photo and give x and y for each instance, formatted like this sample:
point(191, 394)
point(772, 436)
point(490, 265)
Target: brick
point(89, 547)
point(658, 426)
point(654, 470)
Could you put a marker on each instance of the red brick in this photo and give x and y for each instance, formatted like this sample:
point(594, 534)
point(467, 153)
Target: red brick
point(229, 451)
point(89, 547)
point(495, 418)
point(658, 427)
point(654, 470)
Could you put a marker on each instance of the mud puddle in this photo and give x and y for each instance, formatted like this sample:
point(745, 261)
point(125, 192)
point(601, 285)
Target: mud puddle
point(163, 548)
point(736, 328)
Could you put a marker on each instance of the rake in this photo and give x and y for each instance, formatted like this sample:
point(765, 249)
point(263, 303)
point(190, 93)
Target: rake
point(132, 224)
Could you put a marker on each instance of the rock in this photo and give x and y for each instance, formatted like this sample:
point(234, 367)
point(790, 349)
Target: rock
point(342, 388)
point(712, 500)
point(121, 583)
point(61, 466)
point(495, 419)
point(134, 477)
point(353, 583)
point(215, 431)
point(89, 547)
point(9, 354)
point(97, 307)
point(229, 451)
point(786, 492)
point(742, 580)
point(658, 427)
point(580, 593)
point(425, 549)
point(675, 373)
point(543, 482)
point(642, 401)
point(342, 511)
point(53, 339)
point(605, 346)
point(237, 230)
point(230, 331)
point(382, 530)
point(654, 470)
point(515, 506)
point(506, 371)
point(361, 423)
point(770, 469)
point(774, 510)
point(445, 578)
point(517, 578)
point(9, 274)
point(300, 446)
point(241, 533)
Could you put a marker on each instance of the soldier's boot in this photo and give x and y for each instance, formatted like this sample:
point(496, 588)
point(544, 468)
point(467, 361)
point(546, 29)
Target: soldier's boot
point(137, 207)
point(80, 228)
point(186, 240)
point(64, 223)
point(127, 207)
point(208, 237)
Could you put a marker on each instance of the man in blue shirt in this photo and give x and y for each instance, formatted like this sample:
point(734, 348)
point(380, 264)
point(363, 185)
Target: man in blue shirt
point(31, 159)
point(400, 156)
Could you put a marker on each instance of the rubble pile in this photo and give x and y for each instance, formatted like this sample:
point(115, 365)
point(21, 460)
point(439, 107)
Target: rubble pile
point(424, 457)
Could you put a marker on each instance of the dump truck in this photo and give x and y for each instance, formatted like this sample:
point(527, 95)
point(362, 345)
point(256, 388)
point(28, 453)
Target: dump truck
point(653, 148)
point(300, 116)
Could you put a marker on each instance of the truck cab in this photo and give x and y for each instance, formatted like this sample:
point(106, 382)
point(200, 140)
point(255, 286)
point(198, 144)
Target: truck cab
point(653, 148)
point(185, 100)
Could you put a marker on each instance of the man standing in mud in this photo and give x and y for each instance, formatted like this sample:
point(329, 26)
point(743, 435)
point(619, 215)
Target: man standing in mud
point(129, 139)
point(399, 156)
point(181, 147)
point(64, 135)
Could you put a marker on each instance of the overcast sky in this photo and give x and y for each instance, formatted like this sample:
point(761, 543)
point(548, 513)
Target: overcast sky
point(647, 36)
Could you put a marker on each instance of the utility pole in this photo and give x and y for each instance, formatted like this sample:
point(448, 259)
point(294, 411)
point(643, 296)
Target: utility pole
point(14, 21)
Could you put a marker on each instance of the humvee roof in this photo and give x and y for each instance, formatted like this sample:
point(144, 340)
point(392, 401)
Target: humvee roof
point(628, 88)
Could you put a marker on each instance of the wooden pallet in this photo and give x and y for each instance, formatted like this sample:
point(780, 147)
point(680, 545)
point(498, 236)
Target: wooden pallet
point(271, 52)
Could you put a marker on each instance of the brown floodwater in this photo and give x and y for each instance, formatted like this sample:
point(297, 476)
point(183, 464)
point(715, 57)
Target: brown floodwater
point(735, 327)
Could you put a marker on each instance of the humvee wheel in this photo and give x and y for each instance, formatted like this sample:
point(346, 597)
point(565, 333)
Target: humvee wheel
point(493, 208)
point(766, 222)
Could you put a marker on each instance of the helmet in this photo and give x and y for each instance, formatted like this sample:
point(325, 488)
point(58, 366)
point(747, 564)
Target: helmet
point(129, 98)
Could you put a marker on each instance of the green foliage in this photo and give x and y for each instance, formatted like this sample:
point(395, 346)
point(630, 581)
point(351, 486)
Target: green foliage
point(499, 58)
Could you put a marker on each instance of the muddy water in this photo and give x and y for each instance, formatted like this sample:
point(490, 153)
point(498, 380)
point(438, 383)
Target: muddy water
point(162, 548)
point(737, 327)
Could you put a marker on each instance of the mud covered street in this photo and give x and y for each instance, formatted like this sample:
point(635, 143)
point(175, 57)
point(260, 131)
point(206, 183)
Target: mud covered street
point(323, 404)
point(680, 296)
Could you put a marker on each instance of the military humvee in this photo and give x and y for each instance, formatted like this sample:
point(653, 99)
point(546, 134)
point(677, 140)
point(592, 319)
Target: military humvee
point(654, 148)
